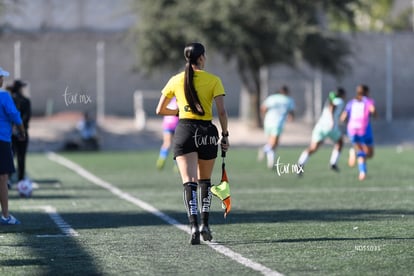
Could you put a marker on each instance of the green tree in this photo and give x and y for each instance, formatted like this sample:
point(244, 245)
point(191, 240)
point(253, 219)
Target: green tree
point(375, 16)
point(253, 33)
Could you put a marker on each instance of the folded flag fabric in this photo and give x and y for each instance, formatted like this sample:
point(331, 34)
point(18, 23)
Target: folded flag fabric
point(222, 191)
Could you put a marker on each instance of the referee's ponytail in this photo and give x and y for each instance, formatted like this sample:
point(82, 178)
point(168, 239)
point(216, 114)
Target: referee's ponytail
point(192, 52)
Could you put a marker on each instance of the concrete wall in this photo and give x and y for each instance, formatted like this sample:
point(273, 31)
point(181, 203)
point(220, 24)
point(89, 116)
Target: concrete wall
point(368, 66)
point(55, 62)
point(98, 15)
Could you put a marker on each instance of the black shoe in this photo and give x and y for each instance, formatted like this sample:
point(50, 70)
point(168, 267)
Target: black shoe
point(334, 168)
point(195, 235)
point(205, 232)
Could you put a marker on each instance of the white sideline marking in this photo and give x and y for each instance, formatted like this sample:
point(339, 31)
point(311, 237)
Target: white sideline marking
point(147, 207)
point(66, 229)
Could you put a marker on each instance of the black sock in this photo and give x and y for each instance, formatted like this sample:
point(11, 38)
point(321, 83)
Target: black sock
point(205, 199)
point(190, 202)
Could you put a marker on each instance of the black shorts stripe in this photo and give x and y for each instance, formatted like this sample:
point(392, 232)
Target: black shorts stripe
point(196, 136)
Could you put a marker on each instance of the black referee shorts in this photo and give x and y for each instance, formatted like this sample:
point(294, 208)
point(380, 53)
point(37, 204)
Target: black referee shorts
point(6, 158)
point(196, 136)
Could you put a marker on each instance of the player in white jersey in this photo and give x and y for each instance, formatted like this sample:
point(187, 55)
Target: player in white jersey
point(276, 109)
point(327, 127)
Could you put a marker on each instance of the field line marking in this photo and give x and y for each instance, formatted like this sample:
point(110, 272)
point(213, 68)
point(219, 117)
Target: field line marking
point(151, 209)
point(64, 227)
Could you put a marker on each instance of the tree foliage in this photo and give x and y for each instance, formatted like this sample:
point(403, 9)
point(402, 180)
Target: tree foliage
point(375, 16)
point(253, 33)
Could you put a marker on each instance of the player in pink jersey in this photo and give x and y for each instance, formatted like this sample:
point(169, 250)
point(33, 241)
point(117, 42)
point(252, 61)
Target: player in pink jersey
point(169, 124)
point(358, 112)
point(369, 134)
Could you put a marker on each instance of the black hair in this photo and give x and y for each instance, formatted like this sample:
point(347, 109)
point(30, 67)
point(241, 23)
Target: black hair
point(340, 92)
point(284, 90)
point(365, 89)
point(192, 52)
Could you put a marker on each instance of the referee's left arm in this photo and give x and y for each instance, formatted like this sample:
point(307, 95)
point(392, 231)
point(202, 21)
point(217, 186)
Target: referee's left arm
point(162, 108)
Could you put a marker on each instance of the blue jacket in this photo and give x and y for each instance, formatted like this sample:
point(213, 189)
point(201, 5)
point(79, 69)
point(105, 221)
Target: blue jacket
point(9, 115)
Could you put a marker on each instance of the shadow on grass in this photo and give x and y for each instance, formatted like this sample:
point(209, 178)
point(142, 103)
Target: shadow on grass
point(47, 181)
point(42, 197)
point(51, 256)
point(330, 215)
point(43, 256)
point(97, 220)
point(318, 239)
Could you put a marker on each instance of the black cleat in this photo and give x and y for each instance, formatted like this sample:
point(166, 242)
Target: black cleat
point(335, 168)
point(205, 232)
point(195, 235)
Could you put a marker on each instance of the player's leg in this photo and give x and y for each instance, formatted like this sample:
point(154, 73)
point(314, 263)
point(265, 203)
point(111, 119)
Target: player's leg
point(4, 195)
point(187, 165)
point(186, 156)
point(270, 149)
point(336, 136)
point(362, 165)
point(313, 147)
point(369, 146)
point(361, 154)
point(318, 136)
point(368, 149)
point(165, 148)
point(21, 149)
point(205, 170)
point(267, 148)
point(6, 168)
point(352, 157)
point(207, 155)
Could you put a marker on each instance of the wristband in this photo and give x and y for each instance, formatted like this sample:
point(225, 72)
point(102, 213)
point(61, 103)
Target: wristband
point(225, 134)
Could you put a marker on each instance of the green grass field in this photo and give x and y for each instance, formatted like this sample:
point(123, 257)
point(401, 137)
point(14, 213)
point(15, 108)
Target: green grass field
point(324, 223)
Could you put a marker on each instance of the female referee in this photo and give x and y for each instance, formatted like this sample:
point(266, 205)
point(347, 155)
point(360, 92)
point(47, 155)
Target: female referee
point(196, 137)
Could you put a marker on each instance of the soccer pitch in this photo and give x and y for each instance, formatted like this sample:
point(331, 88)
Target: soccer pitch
point(90, 222)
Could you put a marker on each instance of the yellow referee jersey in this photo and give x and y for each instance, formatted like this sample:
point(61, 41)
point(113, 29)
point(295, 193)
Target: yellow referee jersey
point(207, 85)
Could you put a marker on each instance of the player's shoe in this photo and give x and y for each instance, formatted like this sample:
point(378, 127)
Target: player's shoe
point(205, 232)
point(335, 168)
point(352, 158)
point(195, 235)
point(362, 176)
point(160, 163)
point(9, 221)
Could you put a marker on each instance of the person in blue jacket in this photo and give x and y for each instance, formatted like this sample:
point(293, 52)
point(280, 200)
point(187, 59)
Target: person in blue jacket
point(9, 115)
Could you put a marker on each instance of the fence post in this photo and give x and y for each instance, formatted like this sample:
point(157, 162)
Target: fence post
point(140, 116)
point(17, 60)
point(389, 80)
point(100, 81)
point(317, 94)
